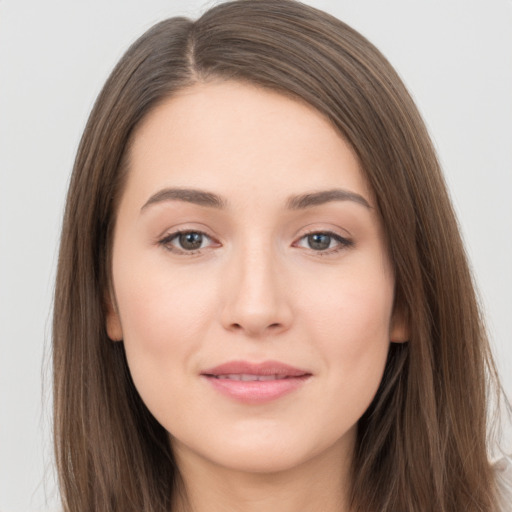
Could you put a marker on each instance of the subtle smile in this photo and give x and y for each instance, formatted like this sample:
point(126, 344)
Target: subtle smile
point(255, 382)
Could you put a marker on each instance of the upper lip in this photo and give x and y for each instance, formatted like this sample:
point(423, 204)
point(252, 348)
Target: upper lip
point(248, 368)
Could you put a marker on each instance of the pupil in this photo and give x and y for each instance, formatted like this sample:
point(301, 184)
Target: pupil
point(319, 241)
point(191, 240)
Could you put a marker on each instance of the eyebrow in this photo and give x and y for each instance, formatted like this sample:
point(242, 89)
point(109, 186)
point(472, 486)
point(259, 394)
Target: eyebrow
point(325, 196)
point(211, 200)
point(188, 195)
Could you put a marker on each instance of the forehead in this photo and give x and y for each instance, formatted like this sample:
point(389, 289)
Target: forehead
point(231, 137)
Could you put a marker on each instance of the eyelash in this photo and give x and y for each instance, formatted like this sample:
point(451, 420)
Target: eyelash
point(342, 242)
point(166, 241)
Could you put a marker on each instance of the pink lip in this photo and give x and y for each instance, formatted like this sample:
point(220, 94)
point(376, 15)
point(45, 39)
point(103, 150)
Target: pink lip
point(287, 379)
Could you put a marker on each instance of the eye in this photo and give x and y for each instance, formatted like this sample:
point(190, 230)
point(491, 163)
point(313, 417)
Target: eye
point(326, 242)
point(186, 241)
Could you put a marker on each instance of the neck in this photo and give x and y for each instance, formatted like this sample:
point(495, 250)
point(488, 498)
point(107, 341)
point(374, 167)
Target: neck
point(318, 484)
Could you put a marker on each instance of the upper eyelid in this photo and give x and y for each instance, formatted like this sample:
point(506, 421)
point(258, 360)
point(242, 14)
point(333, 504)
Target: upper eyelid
point(329, 231)
point(345, 237)
point(167, 238)
point(342, 240)
point(174, 234)
point(171, 236)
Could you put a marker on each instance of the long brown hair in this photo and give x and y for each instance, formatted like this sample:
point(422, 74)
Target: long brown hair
point(421, 445)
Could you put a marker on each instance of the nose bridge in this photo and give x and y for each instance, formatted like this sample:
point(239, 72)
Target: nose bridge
point(257, 271)
point(256, 301)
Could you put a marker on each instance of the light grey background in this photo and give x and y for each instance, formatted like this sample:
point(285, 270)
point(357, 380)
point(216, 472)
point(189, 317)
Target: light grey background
point(455, 56)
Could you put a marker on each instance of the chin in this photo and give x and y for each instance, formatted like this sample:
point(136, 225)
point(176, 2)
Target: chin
point(261, 451)
point(263, 460)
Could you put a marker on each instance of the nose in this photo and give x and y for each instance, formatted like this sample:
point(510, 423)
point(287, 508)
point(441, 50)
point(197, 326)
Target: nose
point(256, 301)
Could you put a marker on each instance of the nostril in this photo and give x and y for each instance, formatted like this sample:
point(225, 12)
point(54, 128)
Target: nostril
point(271, 327)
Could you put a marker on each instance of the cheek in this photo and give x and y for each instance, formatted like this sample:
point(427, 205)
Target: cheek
point(350, 321)
point(160, 307)
point(350, 310)
point(164, 320)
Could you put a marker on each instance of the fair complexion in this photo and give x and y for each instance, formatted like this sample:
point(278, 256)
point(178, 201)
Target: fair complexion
point(247, 232)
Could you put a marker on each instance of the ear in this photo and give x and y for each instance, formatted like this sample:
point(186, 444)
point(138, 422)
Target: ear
point(113, 322)
point(399, 331)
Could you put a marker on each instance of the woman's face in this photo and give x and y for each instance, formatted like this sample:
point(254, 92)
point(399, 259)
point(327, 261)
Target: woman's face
point(252, 287)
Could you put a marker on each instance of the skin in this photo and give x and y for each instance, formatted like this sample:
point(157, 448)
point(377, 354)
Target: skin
point(256, 290)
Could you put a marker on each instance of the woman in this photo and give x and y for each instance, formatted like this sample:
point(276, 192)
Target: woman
point(262, 299)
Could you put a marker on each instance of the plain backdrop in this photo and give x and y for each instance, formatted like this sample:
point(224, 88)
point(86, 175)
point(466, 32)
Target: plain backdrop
point(454, 55)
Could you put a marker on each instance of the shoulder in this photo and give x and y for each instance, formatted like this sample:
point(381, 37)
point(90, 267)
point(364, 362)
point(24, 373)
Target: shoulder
point(503, 470)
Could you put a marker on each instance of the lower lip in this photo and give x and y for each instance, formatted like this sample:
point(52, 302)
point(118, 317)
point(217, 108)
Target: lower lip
point(258, 391)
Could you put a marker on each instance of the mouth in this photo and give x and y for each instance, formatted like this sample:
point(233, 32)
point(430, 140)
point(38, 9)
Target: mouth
point(247, 377)
point(255, 382)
